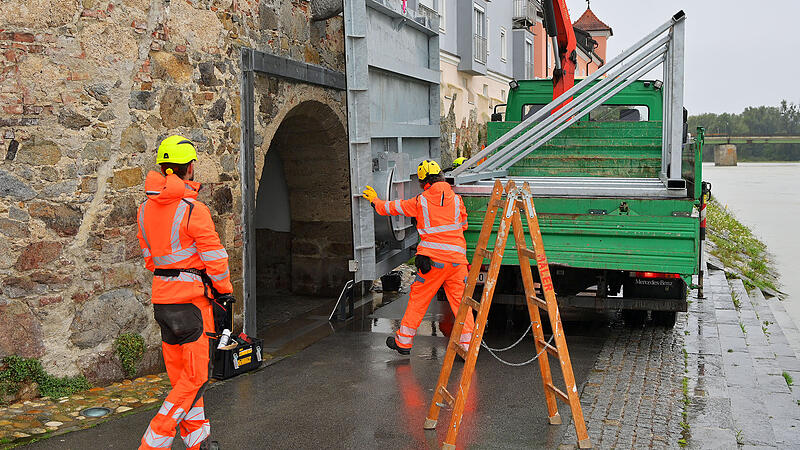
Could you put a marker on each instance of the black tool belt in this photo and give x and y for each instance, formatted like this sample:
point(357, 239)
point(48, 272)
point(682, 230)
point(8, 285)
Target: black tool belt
point(209, 285)
point(223, 317)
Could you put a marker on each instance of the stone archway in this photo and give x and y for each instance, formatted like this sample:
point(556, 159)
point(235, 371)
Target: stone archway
point(302, 219)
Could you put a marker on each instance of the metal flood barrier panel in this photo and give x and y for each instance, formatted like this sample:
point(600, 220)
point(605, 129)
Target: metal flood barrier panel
point(392, 71)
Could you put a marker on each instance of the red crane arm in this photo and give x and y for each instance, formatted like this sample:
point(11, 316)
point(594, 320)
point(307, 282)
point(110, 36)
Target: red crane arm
point(559, 29)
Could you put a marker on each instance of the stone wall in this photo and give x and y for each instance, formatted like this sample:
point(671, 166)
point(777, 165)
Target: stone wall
point(87, 90)
point(459, 138)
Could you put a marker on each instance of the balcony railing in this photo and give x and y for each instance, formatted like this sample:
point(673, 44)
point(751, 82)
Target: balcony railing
point(525, 11)
point(479, 48)
point(431, 17)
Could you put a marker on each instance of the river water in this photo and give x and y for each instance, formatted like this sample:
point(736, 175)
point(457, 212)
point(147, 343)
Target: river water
point(766, 197)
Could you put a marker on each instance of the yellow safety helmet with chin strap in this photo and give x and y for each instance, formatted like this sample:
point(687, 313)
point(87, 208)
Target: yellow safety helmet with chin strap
point(426, 168)
point(176, 150)
point(458, 161)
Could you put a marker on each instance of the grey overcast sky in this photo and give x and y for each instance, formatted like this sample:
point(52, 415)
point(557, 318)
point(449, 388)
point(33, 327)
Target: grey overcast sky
point(738, 53)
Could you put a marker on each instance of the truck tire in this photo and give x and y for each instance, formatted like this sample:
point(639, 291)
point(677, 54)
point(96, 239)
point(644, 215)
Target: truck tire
point(665, 318)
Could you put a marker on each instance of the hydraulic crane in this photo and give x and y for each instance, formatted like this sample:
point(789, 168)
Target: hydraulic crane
point(562, 38)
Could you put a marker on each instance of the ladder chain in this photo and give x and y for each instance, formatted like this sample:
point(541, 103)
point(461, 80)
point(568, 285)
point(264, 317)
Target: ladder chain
point(550, 341)
point(499, 350)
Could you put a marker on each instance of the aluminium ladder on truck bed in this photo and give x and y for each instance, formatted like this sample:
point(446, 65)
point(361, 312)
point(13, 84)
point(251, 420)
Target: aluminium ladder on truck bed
point(663, 46)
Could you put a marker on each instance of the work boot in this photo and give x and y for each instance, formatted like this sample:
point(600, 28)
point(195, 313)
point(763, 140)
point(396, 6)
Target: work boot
point(208, 444)
point(393, 345)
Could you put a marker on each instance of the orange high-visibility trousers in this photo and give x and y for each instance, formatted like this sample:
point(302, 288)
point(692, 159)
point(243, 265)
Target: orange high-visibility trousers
point(453, 277)
point(186, 354)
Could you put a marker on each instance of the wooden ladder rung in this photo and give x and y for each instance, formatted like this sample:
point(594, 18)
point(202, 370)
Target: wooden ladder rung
point(539, 302)
point(446, 396)
point(550, 349)
point(559, 393)
point(496, 203)
point(472, 303)
point(526, 252)
point(461, 352)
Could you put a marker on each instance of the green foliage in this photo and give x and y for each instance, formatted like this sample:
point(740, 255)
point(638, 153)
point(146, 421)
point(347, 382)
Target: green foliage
point(736, 302)
point(788, 378)
point(15, 371)
point(130, 348)
point(55, 387)
point(738, 248)
point(755, 121)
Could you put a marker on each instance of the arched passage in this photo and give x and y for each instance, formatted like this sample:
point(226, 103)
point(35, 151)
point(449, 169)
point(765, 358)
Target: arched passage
point(302, 220)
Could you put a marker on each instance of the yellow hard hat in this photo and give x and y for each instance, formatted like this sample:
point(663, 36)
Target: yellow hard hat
point(426, 168)
point(177, 150)
point(458, 161)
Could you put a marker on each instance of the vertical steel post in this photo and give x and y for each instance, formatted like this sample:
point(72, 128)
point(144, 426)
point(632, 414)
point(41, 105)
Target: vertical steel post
point(360, 139)
point(247, 169)
point(704, 194)
point(675, 99)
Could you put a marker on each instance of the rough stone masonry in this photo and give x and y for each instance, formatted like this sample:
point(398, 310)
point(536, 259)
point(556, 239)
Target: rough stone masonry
point(87, 90)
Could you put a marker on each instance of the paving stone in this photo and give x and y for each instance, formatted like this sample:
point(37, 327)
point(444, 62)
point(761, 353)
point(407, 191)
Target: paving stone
point(712, 438)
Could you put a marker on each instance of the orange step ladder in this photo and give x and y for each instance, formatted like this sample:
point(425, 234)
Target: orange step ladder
point(518, 200)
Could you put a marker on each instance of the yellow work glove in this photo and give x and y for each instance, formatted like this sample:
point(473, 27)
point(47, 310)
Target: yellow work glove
point(369, 194)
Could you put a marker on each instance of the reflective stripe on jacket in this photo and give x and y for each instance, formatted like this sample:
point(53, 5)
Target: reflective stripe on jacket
point(176, 232)
point(441, 221)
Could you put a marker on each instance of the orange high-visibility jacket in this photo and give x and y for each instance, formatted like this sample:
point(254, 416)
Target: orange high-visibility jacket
point(441, 221)
point(176, 232)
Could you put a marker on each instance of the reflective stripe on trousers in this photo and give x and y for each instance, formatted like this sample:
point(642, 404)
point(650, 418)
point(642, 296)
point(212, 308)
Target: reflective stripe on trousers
point(440, 246)
point(156, 440)
point(197, 436)
point(405, 336)
point(196, 413)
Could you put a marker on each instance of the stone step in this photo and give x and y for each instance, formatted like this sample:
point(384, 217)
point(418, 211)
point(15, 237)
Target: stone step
point(781, 318)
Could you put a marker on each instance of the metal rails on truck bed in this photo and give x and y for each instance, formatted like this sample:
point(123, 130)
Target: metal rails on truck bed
point(664, 46)
point(617, 199)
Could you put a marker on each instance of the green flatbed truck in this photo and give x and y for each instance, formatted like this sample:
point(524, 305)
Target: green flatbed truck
point(615, 236)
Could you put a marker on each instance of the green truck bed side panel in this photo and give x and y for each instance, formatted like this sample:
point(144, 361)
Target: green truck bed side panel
point(649, 238)
point(592, 149)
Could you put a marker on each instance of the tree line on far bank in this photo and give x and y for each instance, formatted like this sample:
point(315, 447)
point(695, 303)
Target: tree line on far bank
point(754, 121)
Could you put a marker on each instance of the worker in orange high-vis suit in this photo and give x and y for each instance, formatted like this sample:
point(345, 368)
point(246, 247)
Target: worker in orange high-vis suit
point(181, 247)
point(441, 254)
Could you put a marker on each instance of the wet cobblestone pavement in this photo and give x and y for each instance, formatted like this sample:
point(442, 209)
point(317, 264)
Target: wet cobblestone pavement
point(739, 361)
point(632, 397)
point(29, 420)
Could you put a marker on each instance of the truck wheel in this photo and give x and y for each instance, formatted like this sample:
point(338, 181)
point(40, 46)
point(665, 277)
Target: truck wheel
point(634, 318)
point(665, 318)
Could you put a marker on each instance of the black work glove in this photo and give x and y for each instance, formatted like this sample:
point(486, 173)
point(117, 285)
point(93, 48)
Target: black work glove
point(423, 263)
point(223, 312)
